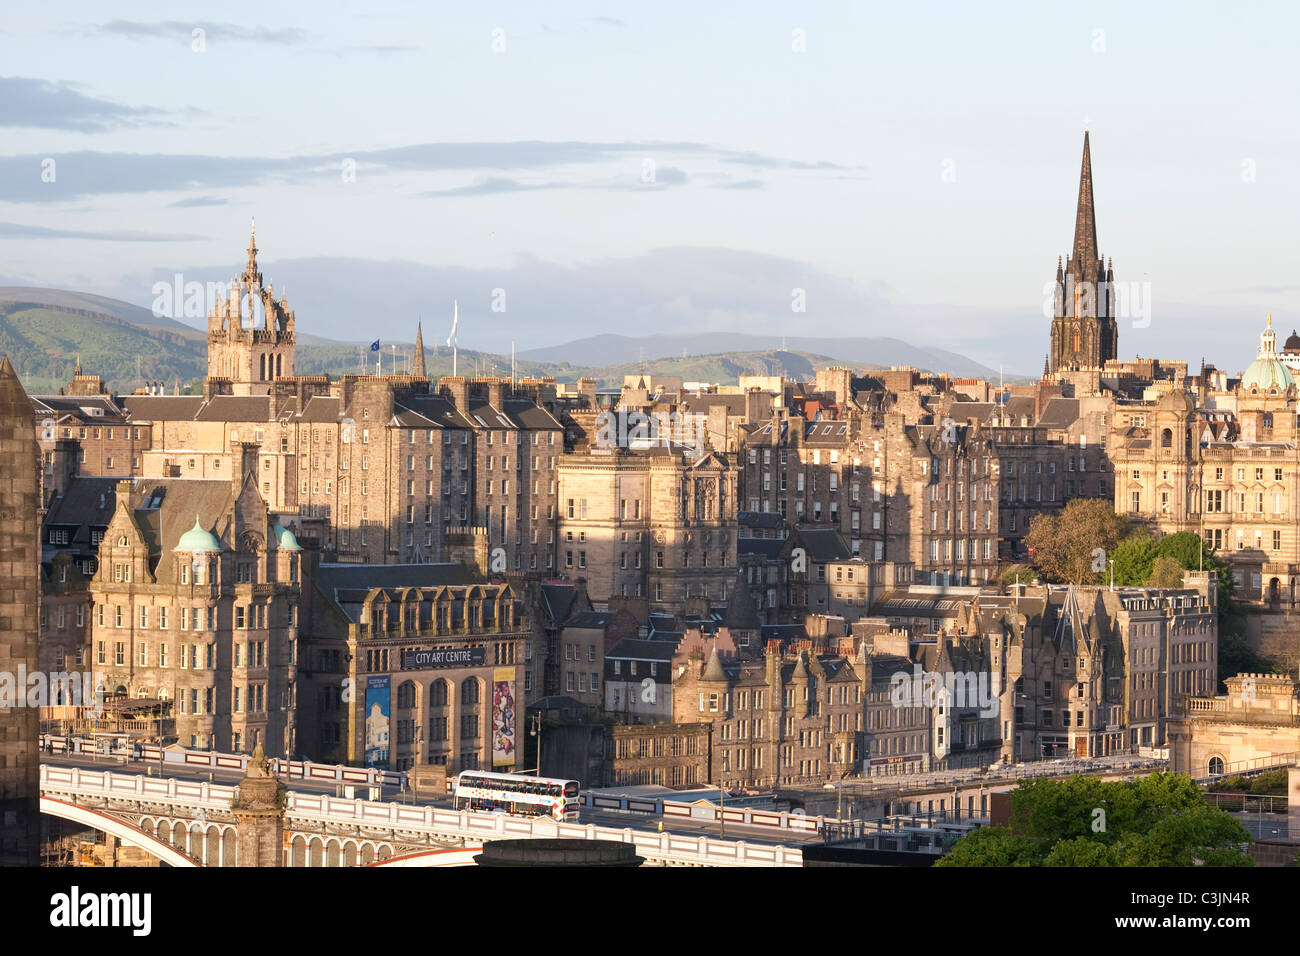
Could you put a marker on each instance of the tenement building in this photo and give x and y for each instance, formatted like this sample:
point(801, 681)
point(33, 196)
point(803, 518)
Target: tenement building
point(196, 599)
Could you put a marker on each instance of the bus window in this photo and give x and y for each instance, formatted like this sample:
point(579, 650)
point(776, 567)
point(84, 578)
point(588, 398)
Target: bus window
point(571, 789)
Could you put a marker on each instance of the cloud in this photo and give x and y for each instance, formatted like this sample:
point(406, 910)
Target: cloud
point(15, 230)
point(45, 104)
point(182, 30)
point(197, 202)
point(89, 173)
point(610, 22)
point(742, 184)
point(495, 185)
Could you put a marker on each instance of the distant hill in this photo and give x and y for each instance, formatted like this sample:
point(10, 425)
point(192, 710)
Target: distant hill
point(44, 331)
point(860, 352)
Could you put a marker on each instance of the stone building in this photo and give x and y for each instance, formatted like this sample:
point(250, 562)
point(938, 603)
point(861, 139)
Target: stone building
point(196, 599)
point(413, 664)
point(658, 523)
point(1257, 718)
point(1223, 465)
point(1090, 671)
point(788, 717)
point(20, 595)
point(661, 754)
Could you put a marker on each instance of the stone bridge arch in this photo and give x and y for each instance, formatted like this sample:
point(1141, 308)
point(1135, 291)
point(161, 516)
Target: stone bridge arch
point(128, 834)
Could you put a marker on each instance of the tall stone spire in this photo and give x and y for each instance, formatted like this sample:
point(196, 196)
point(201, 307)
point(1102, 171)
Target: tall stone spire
point(1084, 329)
point(417, 368)
point(1085, 222)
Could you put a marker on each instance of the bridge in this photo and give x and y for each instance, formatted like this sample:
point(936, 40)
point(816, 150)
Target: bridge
point(197, 823)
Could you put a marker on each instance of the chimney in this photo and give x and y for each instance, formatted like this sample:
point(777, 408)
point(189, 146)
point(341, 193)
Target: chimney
point(122, 491)
point(243, 460)
point(455, 390)
point(496, 394)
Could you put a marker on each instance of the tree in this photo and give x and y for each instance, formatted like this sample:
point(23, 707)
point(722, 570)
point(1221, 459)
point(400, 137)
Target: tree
point(1166, 573)
point(1134, 557)
point(1158, 820)
point(1074, 546)
point(1019, 574)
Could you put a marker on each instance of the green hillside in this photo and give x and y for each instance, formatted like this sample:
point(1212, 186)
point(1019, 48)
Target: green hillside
point(43, 344)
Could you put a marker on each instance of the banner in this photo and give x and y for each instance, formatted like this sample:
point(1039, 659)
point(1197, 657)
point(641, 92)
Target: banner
point(503, 716)
point(378, 701)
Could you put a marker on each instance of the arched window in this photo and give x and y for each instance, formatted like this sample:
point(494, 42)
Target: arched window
point(1216, 766)
point(469, 691)
point(438, 694)
point(406, 695)
point(1166, 439)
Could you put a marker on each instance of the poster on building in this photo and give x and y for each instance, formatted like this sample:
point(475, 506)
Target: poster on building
point(378, 701)
point(503, 716)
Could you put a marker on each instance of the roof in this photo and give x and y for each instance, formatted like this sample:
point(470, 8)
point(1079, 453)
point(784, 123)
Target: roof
point(823, 544)
point(1059, 413)
point(332, 577)
point(741, 614)
point(161, 407)
point(638, 649)
point(236, 408)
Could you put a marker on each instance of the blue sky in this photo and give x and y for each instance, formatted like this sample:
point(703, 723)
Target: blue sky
point(913, 169)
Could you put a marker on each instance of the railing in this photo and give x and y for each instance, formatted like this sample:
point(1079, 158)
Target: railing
point(316, 810)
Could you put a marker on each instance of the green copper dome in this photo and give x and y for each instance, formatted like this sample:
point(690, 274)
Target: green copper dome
point(196, 539)
point(1267, 371)
point(285, 538)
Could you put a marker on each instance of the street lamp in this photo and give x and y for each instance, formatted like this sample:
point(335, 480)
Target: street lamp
point(537, 732)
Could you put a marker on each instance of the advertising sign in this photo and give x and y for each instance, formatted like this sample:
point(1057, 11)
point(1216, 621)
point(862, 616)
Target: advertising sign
point(503, 717)
point(378, 709)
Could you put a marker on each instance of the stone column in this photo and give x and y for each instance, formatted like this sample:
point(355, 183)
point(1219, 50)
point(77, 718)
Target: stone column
point(259, 815)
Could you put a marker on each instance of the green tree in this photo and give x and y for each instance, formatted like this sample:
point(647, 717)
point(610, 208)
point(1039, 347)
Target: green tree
point(1134, 558)
point(993, 846)
point(1073, 546)
point(1158, 820)
point(1019, 574)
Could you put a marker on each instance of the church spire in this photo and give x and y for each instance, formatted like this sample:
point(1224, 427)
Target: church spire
point(418, 370)
point(1085, 223)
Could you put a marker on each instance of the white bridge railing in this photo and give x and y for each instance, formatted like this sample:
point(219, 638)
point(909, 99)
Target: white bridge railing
point(401, 819)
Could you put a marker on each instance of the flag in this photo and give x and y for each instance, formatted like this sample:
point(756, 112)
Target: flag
point(455, 320)
point(374, 346)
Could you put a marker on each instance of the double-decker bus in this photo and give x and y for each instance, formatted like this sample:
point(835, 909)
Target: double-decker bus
point(517, 794)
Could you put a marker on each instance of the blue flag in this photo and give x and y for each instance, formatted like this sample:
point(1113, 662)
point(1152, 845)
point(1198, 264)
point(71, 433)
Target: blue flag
point(374, 346)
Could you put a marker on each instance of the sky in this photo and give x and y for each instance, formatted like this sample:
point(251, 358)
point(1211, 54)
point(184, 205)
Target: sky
point(834, 169)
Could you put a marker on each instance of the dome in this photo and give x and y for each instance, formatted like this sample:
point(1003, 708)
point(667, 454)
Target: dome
point(285, 538)
point(1267, 371)
point(196, 539)
point(1292, 343)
